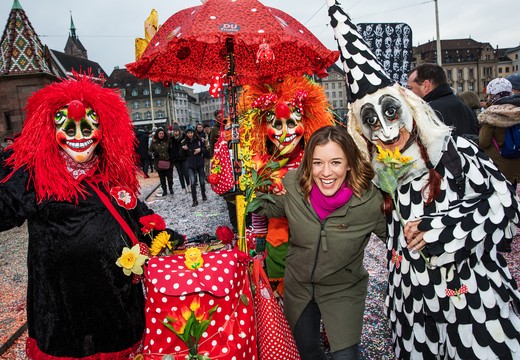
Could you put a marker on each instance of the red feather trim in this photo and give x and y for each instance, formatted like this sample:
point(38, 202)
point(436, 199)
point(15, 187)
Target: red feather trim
point(37, 149)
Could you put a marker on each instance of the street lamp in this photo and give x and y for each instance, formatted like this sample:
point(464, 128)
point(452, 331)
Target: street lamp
point(439, 54)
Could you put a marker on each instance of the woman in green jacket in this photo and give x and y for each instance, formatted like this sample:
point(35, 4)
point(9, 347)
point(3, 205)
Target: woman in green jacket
point(332, 208)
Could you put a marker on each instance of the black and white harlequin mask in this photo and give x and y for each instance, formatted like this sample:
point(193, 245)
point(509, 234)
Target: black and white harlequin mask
point(384, 118)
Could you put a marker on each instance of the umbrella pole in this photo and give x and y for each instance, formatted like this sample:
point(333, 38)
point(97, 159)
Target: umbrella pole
point(235, 139)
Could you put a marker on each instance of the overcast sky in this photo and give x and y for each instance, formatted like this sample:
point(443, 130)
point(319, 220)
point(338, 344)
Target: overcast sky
point(107, 28)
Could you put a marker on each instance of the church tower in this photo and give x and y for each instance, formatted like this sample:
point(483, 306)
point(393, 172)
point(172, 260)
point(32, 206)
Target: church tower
point(74, 47)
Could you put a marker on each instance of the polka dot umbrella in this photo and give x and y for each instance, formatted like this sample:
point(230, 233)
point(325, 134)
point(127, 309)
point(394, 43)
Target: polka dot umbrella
point(239, 38)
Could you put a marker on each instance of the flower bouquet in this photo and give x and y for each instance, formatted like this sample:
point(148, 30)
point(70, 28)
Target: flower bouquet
point(395, 166)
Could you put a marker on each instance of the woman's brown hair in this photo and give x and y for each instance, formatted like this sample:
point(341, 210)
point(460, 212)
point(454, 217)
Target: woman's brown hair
point(361, 172)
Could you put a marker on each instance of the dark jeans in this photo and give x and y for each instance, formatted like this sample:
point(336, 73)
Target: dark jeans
point(308, 337)
point(166, 176)
point(145, 164)
point(192, 173)
point(183, 173)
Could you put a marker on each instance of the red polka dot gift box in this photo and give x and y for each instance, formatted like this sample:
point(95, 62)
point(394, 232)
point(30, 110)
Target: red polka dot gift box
point(221, 292)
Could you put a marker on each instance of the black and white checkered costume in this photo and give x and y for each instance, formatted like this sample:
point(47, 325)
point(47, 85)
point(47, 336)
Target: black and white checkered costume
point(463, 226)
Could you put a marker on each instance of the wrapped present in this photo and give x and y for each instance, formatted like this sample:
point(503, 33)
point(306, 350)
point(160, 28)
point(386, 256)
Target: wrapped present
point(175, 282)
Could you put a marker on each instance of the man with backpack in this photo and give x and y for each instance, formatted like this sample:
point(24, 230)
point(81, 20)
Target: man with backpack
point(500, 126)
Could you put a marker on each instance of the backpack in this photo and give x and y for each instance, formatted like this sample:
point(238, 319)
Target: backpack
point(511, 147)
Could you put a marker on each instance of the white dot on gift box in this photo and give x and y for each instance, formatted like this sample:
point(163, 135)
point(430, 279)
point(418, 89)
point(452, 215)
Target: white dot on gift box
point(197, 289)
point(177, 348)
point(164, 299)
point(159, 331)
point(211, 302)
point(168, 277)
point(205, 334)
point(214, 288)
point(168, 339)
point(220, 279)
point(189, 282)
point(207, 277)
point(153, 320)
point(214, 342)
point(225, 350)
point(162, 290)
point(176, 285)
point(154, 281)
point(147, 330)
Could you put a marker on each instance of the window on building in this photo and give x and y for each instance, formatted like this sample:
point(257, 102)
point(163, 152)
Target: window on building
point(159, 114)
point(135, 92)
point(448, 74)
point(487, 57)
point(326, 86)
point(333, 85)
point(136, 116)
point(333, 94)
point(471, 86)
point(470, 73)
point(146, 91)
point(148, 115)
point(507, 69)
point(122, 93)
point(487, 71)
point(460, 87)
point(500, 70)
point(157, 91)
point(340, 94)
point(335, 104)
point(146, 103)
point(135, 105)
point(459, 73)
point(159, 102)
point(341, 103)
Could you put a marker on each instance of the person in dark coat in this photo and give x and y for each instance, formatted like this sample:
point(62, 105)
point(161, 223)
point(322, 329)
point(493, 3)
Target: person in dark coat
point(142, 150)
point(179, 158)
point(429, 82)
point(161, 148)
point(75, 154)
point(192, 147)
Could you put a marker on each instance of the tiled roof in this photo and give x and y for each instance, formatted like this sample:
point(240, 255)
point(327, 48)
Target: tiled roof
point(21, 51)
point(79, 64)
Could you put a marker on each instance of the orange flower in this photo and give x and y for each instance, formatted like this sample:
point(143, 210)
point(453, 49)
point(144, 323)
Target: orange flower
point(178, 322)
point(276, 179)
point(258, 161)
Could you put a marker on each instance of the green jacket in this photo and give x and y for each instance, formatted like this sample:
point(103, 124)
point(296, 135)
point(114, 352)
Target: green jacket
point(325, 259)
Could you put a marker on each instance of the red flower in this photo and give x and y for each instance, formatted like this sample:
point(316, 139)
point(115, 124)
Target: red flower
point(225, 234)
point(243, 257)
point(152, 222)
point(124, 197)
point(213, 179)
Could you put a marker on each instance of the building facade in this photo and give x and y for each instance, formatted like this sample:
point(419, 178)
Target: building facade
point(154, 104)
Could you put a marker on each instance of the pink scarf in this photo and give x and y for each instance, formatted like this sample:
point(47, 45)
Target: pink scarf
point(325, 205)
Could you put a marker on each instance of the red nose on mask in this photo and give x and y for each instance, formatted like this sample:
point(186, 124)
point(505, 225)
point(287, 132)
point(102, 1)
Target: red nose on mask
point(282, 111)
point(76, 110)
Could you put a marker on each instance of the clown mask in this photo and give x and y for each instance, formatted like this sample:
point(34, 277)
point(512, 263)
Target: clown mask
point(384, 118)
point(77, 131)
point(285, 127)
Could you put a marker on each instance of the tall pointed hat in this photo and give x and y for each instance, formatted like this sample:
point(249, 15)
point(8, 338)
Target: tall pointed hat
point(364, 74)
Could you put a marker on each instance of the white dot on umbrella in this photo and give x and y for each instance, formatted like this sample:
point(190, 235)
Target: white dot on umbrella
point(261, 31)
point(254, 10)
point(301, 31)
point(212, 17)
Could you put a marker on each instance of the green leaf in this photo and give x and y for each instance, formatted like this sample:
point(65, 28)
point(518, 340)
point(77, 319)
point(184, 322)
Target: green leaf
point(244, 299)
point(387, 182)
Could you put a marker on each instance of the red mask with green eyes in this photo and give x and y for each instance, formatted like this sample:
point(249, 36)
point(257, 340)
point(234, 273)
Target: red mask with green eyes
point(77, 130)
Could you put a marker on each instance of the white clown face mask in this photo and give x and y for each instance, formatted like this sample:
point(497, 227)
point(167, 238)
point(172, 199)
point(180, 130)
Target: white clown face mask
point(384, 118)
point(77, 131)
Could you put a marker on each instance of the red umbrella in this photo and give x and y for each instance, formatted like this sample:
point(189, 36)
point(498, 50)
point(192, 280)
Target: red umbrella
point(243, 38)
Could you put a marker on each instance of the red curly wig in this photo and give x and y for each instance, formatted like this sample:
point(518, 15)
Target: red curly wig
point(314, 104)
point(38, 151)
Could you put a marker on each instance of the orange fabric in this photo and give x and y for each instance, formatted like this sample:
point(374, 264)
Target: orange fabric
point(277, 231)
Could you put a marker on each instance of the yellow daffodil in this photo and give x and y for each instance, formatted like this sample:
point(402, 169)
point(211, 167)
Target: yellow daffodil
point(161, 241)
point(131, 261)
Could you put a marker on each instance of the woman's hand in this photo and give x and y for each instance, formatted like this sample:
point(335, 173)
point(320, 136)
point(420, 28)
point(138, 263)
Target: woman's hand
point(185, 147)
point(413, 236)
point(196, 151)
